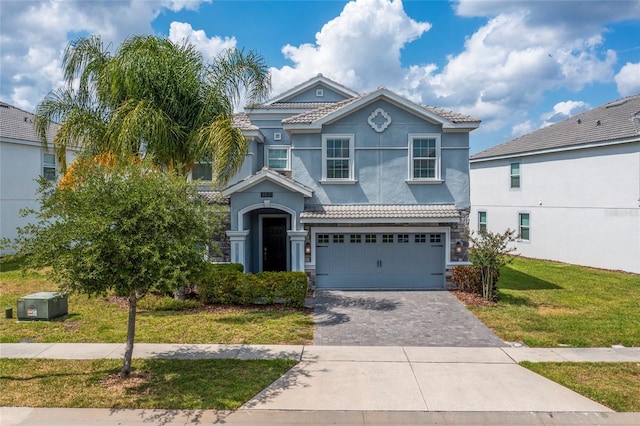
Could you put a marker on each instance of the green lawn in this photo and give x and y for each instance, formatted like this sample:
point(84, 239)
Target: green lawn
point(223, 384)
point(616, 385)
point(546, 304)
point(104, 320)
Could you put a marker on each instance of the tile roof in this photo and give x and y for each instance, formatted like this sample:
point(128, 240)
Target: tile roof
point(380, 211)
point(18, 124)
point(310, 117)
point(318, 113)
point(616, 120)
point(242, 121)
point(291, 105)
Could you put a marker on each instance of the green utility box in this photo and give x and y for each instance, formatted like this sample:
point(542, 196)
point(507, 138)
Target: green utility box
point(44, 306)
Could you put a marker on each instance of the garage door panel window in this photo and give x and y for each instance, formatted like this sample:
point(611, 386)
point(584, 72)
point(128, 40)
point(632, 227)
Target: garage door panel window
point(387, 238)
point(370, 238)
point(403, 238)
point(323, 239)
point(435, 238)
point(338, 239)
point(355, 238)
point(420, 238)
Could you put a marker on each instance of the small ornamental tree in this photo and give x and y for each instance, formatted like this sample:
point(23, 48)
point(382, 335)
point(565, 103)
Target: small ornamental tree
point(119, 226)
point(489, 252)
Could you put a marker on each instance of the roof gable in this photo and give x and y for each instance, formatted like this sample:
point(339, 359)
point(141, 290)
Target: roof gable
point(613, 122)
point(267, 175)
point(315, 119)
point(317, 82)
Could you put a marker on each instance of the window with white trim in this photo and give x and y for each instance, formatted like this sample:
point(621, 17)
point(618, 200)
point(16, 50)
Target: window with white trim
point(515, 175)
point(202, 170)
point(482, 221)
point(338, 158)
point(524, 227)
point(49, 167)
point(424, 157)
point(277, 157)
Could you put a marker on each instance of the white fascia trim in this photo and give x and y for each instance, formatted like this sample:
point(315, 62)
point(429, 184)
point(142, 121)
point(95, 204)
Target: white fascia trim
point(253, 135)
point(382, 220)
point(554, 150)
point(270, 176)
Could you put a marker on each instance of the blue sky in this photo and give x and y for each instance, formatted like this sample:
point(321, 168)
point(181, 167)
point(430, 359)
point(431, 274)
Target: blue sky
point(517, 65)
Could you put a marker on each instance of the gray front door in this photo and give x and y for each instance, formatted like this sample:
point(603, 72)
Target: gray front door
point(380, 261)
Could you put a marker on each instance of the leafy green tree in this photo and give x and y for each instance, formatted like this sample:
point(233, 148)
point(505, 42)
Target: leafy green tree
point(489, 252)
point(154, 97)
point(123, 227)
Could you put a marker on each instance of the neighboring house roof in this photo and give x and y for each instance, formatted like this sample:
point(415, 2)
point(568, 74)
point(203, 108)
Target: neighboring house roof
point(317, 117)
point(380, 213)
point(17, 124)
point(616, 121)
point(268, 175)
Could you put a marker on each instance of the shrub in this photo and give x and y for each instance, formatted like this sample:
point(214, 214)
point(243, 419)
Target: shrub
point(226, 285)
point(289, 288)
point(223, 267)
point(467, 278)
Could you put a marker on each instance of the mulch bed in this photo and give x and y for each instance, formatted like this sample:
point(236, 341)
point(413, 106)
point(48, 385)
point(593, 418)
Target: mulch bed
point(471, 299)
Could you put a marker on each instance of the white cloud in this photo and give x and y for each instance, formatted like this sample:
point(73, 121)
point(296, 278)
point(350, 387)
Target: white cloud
point(178, 5)
point(209, 47)
point(35, 34)
point(563, 110)
point(522, 128)
point(360, 48)
point(628, 79)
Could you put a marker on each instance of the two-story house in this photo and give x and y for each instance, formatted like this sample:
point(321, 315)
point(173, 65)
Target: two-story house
point(22, 161)
point(571, 190)
point(362, 191)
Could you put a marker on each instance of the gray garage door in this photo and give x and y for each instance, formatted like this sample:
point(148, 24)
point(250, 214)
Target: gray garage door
point(380, 261)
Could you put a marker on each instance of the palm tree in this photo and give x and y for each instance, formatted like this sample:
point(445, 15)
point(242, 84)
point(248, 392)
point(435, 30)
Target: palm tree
point(153, 98)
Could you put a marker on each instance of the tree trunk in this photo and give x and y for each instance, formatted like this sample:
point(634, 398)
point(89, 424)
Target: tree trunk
point(131, 330)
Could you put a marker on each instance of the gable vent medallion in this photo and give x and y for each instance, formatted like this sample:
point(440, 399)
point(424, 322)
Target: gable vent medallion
point(379, 124)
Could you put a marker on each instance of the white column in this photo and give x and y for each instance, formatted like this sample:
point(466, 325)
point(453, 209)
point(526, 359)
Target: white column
point(297, 249)
point(238, 240)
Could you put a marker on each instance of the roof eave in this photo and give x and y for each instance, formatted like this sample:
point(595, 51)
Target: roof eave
point(552, 150)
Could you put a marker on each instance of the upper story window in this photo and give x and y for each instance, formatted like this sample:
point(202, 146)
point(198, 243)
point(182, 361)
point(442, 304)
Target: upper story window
point(338, 158)
point(515, 175)
point(424, 157)
point(202, 170)
point(49, 167)
point(524, 227)
point(277, 157)
point(482, 221)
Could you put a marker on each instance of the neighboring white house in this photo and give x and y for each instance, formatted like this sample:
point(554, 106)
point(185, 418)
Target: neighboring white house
point(22, 161)
point(572, 189)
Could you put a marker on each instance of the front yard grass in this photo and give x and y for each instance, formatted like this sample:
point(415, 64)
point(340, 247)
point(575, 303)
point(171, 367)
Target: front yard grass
point(103, 320)
point(616, 385)
point(223, 384)
point(549, 304)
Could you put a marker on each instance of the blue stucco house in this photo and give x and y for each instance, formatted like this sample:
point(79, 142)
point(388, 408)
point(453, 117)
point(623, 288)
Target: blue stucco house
point(361, 191)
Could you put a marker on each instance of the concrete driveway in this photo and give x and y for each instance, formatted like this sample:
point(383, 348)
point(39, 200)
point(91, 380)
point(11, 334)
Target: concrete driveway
point(397, 318)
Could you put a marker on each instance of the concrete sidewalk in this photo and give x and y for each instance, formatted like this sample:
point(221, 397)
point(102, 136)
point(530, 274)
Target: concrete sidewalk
point(91, 416)
point(361, 385)
point(193, 351)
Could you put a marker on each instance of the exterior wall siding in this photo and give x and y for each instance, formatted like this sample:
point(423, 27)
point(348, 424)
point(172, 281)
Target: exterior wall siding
point(584, 205)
